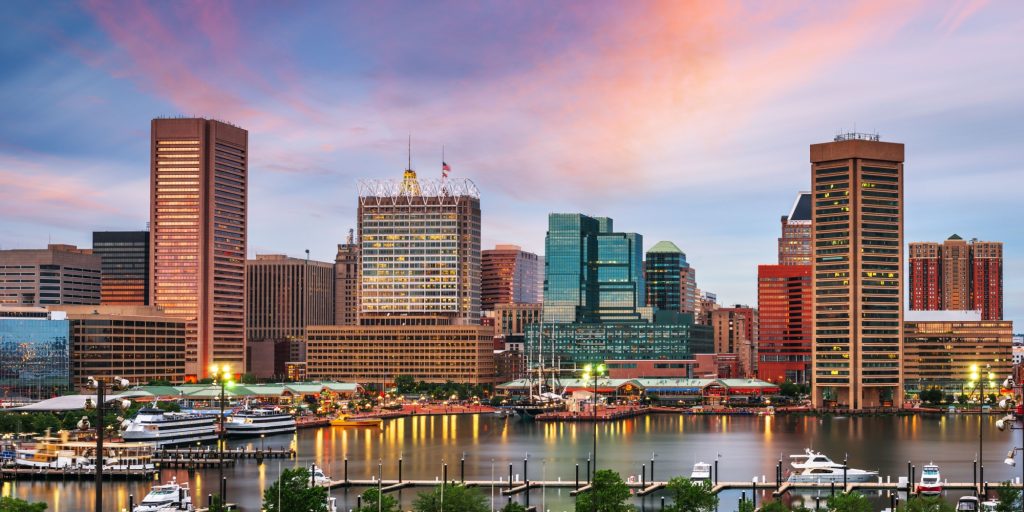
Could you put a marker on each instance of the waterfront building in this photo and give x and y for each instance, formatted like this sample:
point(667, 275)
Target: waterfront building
point(423, 348)
point(699, 366)
point(784, 323)
point(577, 344)
point(508, 275)
point(35, 353)
point(671, 282)
point(957, 275)
point(59, 274)
point(736, 332)
point(420, 248)
point(941, 347)
point(124, 278)
point(347, 272)
point(198, 218)
point(287, 294)
point(795, 242)
point(138, 343)
point(857, 235)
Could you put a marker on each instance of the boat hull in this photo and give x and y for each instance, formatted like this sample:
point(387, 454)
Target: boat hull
point(837, 478)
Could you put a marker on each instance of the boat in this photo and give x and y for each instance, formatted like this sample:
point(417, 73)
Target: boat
point(47, 453)
point(54, 453)
point(319, 477)
point(345, 420)
point(170, 428)
point(701, 472)
point(815, 467)
point(167, 497)
point(931, 481)
point(968, 504)
point(254, 422)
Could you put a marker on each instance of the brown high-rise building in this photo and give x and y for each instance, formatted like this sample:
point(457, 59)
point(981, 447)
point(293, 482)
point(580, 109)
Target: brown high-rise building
point(795, 242)
point(125, 276)
point(347, 274)
point(857, 232)
point(956, 274)
point(59, 274)
point(508, 275)
point(925, 276)
point(987, 279)
point(199, 205)
point(287, 294)
point(736, 332)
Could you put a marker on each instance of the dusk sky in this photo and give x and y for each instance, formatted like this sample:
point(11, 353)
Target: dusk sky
point(683, 121)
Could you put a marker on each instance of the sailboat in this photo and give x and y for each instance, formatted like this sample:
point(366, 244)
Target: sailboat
point(547, 397)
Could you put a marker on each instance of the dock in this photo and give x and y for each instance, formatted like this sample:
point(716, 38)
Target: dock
point(210, 457)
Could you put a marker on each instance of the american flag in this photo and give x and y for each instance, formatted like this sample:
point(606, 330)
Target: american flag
point(445, 169)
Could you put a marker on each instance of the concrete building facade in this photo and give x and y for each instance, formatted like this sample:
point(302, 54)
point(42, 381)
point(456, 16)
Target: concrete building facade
point(59, 274)
point(508, 275)
point(287, 294)
point(941, 348)
point(347, 272)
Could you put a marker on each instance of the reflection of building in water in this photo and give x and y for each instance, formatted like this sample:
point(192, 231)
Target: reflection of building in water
point(34, 353)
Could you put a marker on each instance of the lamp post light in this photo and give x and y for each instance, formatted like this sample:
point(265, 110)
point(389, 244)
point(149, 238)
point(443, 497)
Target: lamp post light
point(595, 371)
point(222, 375)
point(977, 379)
point(101, 391)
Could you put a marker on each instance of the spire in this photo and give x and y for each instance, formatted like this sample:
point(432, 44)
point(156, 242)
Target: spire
point(409, 166)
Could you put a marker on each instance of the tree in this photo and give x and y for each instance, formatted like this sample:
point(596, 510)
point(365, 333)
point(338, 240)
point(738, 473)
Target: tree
point(609, 493)
point(690, 496)
point(788, 388)
point(292, 492)
point(248, 378)
point(216, 505)
point(961, 399)
point(456, 498)
point(513, 506)
point(746, 506)
point(370, 499)
point(778, 506)
point(1008, 498)
point(15, 505)
point(932, 396)
point(405, 384)
point(925, 504)
point(849, 502)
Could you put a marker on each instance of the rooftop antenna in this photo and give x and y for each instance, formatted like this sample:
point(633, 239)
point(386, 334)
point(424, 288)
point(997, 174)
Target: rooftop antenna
point(410, 152)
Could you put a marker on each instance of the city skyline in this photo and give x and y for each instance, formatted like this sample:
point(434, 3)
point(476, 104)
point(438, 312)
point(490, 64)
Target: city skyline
point(67, 172)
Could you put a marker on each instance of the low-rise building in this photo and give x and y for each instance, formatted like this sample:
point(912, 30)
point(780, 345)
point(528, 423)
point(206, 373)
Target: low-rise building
point(941, 349)
point(35, 353)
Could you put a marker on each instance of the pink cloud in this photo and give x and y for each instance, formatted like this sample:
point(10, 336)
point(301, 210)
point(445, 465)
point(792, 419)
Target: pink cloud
point(960, 11)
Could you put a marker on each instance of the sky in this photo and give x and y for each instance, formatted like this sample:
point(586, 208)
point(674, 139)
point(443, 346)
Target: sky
point(683, 121)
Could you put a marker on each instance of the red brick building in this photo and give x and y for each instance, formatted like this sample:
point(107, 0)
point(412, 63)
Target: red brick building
point(784, 327)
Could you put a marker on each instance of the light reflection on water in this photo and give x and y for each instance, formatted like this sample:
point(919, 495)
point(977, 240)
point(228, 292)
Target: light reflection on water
point(748, 446)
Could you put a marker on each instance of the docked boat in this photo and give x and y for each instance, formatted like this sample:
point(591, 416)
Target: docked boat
point(319, 477)
point(254, 422)
point(931, 480)
point(345, 420)
point(701, 472)
point(170, 428)
point(48, 453)
point(968, 504)
point(815, 467)
point(167, 497)
point(53, 453)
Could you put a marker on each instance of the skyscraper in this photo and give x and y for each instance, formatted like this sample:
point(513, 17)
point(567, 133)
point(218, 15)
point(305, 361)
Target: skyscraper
point(508, 275)
point(956, 275)
point(420, 248)
point(857, 232)
point(59, 274)
point(347, 274)
point(925, 276)
point(287, 294)
point(795, 242)
point(671, 282)
point(199, 205)
point(125, 260)
point(987, 279)
point(784, 327)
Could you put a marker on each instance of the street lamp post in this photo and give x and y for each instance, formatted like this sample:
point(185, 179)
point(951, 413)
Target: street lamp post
point(222, 376)
point(595, 370)
point(101, 391)
point(978, 379)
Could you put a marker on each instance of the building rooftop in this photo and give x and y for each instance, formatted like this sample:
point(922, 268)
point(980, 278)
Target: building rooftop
point(801, 210)
point(665, 246)
point(954, 236)
point(967, 315)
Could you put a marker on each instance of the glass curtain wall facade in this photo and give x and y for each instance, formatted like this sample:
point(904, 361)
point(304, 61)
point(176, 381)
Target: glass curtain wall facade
point(34, 357)
point(124, 278)
point(570, 275)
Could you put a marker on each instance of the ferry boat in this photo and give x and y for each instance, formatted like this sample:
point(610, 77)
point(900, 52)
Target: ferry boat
point(254, 422)
point(47, 453)
point(170, 428)
point(815, 467)
point(53, 453)
point(701, 472)
point(931, 481)
point(345, 420)
point(167, 497)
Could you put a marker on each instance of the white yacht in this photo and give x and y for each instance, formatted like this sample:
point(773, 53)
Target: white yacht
point(253, 422)
point(815, 467)
point(153, 425)
point(931, 480)
point(701, 472)
point(167, 497)
point(319, 477)
point(968, 504)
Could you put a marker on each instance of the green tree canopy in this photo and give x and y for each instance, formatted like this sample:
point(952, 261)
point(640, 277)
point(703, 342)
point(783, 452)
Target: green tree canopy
point(925, 504)
point(8, 504)
point(1008, 498)
point(849, 502)
point(371, 497)
point(451, 498)
point(513, 506)
point(609, 493)
point(405, 384)
point(691, 496)
point(292, 492)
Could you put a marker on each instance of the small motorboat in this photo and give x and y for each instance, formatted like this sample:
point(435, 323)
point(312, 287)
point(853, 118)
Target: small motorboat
point(701, 472)
point(968, 504)
point(167, 497)
point(931, 481)
point(319, 477)
point(345, 420)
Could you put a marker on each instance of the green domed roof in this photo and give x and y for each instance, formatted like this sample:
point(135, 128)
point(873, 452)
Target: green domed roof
point(665, 246)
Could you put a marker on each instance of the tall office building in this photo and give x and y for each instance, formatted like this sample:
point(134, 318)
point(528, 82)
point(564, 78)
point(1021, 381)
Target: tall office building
point(688, 289)
point(199, 205)
point(287, 294)
point(736, 332)
point(925, 276)
point(795, 242)
point(347, 273)
point(59, 274)
point(669, 282)
point(857, 232)
point(956, 275)
point(784, 323)
point(125, 266)
point(508, 275)
point(420, 248)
